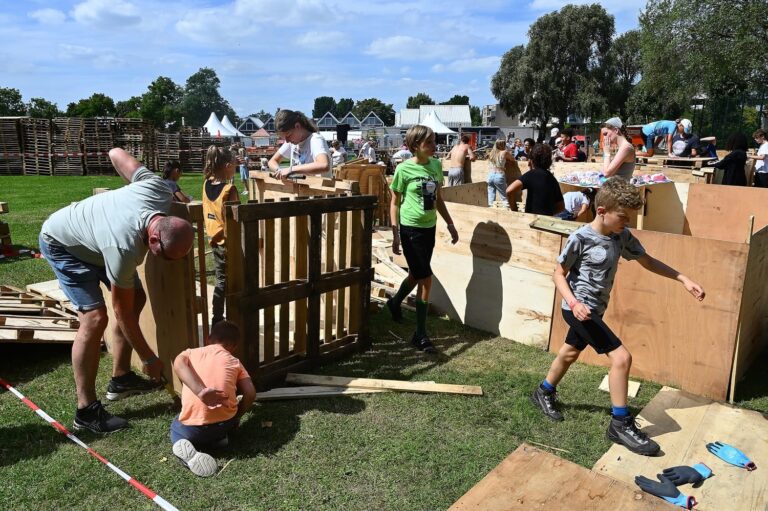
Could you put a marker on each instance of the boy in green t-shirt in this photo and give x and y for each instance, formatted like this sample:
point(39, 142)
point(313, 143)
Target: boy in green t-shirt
point(416, 200)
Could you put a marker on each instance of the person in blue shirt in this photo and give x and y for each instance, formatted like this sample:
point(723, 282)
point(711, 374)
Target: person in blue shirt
point(656, 130)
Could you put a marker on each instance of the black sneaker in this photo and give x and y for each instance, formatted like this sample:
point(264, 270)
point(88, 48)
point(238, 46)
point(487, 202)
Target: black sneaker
point(546, 402)
point(422, 343)
point(395, 311)
point(128, 384)
point(624, 431)
point(98, 420)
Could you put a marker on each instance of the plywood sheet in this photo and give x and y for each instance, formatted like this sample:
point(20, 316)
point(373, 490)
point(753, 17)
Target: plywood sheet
point(533, 479)
point(472, 194)
point(722, 212)
point(49, 288)
point(683, 424)
point(673, 338)
point(665, 207)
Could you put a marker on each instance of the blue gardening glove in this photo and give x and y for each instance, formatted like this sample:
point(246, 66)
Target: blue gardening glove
point(685, 474)
point(731, 455)
point(665, 489)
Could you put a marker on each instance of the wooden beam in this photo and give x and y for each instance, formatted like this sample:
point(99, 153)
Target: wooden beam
point(252, 212)
point(312, 392)
point(367, 383)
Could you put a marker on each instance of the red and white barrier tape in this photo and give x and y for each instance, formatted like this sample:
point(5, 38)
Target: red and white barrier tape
point(154, 497)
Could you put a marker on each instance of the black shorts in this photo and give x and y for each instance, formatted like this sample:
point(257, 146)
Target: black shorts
point(418, 244)
point(593, 331)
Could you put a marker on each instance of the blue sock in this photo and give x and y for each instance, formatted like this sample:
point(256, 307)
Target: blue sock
point(546, 386)
point(619, 411)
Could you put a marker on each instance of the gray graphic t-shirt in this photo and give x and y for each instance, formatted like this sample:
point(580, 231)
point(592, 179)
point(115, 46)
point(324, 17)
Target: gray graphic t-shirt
point(591, 260)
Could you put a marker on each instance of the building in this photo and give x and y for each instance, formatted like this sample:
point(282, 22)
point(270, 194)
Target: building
point(327, 122)
point(508, 124)
point(371, 121)
point(250, 125)
point(354, 122)
point(269, 124)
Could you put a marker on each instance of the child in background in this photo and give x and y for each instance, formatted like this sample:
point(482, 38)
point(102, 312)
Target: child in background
point(171, 175)
point(733, 163)
point(761, 166)
point(576, 203)
point(242, 162)
point(584, 276)
point(212, 378)
point(219, 169)
point(544, 195)
point(497, 180)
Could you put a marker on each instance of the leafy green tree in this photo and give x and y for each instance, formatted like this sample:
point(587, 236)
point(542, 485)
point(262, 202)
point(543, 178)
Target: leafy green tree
point(624, 65)
point(476, 115)
point(343, 107)
point(161, 103)
point(457, 100)
point(98, 105)
point(42, 109)
point(323, 104)
point(11, 103)
point(385, 111)
point(422, 98)
point(262, 115)
point(562, 70)
point(201, 97)
point(129, 108)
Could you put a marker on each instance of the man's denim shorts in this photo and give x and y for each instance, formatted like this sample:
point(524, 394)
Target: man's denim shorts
point(78, 280)
point(243, 173)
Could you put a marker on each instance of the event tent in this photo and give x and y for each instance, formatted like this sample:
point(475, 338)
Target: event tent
point(216, 129)
point(434, 122)
point(227, 124)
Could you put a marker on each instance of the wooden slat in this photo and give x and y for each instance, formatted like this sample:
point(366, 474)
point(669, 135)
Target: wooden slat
point(269, 279)
point(312, 392)
point(234, 274)
point(365, 286)
point(368, 383)
point(285, 267)
point(250, 248)
point(330, 248)
point(301, 269)
point(341, 302)
point(281, 209)
point(356, 239)
point(201, 268)
point(313, 308)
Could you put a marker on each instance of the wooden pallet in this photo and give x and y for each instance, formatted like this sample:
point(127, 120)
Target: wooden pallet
point(30, 317)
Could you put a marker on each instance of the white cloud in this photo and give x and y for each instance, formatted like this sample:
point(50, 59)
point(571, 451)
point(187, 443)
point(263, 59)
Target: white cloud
point(106, 14)
point(470, 65)
point(48, 16)
point(407, 48)
point(321, 41)
point(99, 58)
point(612, 6)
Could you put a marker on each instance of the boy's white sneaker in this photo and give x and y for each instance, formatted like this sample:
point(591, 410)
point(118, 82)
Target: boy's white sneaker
point(200, 463)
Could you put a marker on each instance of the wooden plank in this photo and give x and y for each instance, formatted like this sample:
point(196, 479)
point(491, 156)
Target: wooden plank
point(202, 273)
point(683, 424)
point(555, 225)
point(365, 287)
point(281, 209)
point(530, 478)
point(330, 265)
point(722, 212)
point(356, 240)
point(632, 390)
point(661, 324)
point(368, 383)
point(341, 305)
point(269, 279)
point(313, 302)
point(49, 288)
point(3, 207)
point(234, 274)
point(249, 239)
point(311, 392)
point(285, 266)
point(301, 269)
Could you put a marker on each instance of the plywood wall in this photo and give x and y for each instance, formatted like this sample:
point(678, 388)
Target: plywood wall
point(673, 338)
point(473, 194)
point(722, 212)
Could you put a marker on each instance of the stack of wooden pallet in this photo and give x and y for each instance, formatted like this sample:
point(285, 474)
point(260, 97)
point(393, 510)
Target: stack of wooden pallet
point(194, 144)
point(168, 147)
point(136, 137)
point(5, 230)
point(372, 181)
point(66, 146)
point(30, 317)
point(36, 140)
point(98, 139)
point(11, 163)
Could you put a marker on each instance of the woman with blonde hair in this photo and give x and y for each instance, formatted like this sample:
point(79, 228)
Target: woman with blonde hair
point(305, 148)
point(497, 180)
point(622, 163)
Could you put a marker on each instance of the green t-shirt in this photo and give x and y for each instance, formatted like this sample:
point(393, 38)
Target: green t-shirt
point(418, 185)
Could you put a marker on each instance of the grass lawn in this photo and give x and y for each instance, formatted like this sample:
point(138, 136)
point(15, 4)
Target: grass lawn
point(393, 451)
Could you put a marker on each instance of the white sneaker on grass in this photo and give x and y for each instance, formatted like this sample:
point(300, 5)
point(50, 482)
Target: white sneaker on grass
point(200, 463)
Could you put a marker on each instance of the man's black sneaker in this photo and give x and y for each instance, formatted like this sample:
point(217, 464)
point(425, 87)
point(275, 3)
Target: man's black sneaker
point(395, 311)
point(95, 418)
point(422, 343)
point(128, 384)
point(546, 402)
point(625, 431)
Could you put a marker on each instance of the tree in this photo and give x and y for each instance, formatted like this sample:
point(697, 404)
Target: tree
point(11, 103)
point(457, 100)
point(476, 115)
point(624, 64)
point(201, 97)
point(261, 115)
point(562, 70)
point(422, 98)
point(129, 108)
point(98, 105)
point(385, 111)
point(343, 107)
point(323, 104)
point(161, 103)
point(42, 109)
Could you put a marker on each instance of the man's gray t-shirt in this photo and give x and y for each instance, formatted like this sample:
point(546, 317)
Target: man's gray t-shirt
point(108, 229)
point(591, 260)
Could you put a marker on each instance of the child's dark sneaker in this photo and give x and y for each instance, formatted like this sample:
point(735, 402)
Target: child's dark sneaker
point(200, 463)
point(624, 431)
point(96, 419)
point(395, 311)
point(546, 402)
point(422, 343)
point(128, 384)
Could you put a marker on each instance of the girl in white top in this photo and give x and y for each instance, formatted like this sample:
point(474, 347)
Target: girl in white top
point(305, 148)
point(338, 153)
point(623, 162)
point(761, 165)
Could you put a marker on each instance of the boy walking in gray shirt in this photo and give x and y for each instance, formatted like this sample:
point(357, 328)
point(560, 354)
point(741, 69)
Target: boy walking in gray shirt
point(584, 277)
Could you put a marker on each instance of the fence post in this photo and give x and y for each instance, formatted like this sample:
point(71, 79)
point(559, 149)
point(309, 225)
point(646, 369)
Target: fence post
point(313, 309)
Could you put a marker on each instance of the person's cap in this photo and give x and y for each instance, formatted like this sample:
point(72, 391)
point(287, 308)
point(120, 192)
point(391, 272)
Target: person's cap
point(687, 126)
point(554, 132)
point(614, 122)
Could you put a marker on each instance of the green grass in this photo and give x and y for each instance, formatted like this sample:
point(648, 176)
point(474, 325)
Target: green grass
point(380, 451)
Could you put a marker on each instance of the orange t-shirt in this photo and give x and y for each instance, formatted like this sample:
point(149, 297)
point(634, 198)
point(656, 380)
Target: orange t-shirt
point(220, 370)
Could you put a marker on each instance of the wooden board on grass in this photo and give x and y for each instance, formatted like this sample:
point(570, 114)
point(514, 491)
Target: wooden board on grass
point(683, 424)
point(632, 390)
point(369, 383)
point(311, 392)
point(530, 478)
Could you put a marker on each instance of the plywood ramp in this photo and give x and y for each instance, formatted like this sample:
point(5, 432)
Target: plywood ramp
point(722, 212)
point(683, 424)
point(674, 339)
point(533, 479)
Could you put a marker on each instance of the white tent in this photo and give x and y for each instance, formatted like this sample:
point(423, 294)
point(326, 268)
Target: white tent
point(227, 124)
point(434, 122)
point(216, 129)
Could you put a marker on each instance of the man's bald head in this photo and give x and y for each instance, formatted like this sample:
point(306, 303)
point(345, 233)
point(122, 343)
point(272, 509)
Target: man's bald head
point(170, 237)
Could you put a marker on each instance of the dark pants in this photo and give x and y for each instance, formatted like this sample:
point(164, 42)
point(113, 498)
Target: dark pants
point(761, 179)
point(201, 436)
point(220, 289)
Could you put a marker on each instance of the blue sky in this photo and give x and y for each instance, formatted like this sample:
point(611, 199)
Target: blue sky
point(269, 53)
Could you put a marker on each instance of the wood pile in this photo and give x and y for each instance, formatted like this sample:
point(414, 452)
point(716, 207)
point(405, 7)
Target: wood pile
point(98, 139)
point(30, 317)
point(5, 230)
point(388, 273)
point(194, 144)
point(66, 146)
point(136, 136)
point(373, 181)
point(168, 147)
point(11, 163)
point(36, 141)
